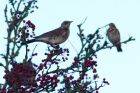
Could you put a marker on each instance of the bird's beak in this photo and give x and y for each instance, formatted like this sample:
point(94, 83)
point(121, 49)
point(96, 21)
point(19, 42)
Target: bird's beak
point(71, 21)
point(106, 25)
point(103, 26)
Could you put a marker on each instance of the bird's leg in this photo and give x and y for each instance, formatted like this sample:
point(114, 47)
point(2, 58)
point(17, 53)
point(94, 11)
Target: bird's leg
point(55, 46)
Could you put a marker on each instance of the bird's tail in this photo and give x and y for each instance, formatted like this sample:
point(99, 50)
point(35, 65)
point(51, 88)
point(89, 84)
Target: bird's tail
point(119, 49)
point(29, 41)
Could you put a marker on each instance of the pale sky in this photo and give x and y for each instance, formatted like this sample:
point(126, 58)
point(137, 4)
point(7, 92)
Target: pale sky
point(120, 69)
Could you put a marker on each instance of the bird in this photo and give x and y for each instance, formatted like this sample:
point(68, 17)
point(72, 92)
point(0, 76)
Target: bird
point(53, 37)
point(113, 35)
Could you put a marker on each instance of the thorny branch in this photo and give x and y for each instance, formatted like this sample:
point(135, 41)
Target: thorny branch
point(104, 46)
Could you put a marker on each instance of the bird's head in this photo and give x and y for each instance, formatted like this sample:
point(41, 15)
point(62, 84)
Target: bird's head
point(66, 24)
point(112, 25)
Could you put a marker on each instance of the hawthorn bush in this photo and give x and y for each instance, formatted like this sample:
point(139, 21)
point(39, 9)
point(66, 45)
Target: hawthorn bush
point(28, 77)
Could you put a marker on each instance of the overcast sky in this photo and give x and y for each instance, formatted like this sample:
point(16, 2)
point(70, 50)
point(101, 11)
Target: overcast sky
point(120, 69)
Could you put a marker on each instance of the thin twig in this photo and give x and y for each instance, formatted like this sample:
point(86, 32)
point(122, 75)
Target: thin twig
point(73, 46)
point(33, 52)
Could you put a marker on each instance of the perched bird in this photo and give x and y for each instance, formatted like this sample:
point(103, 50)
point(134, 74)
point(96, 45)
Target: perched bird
point(54, 37)
point(113, 35)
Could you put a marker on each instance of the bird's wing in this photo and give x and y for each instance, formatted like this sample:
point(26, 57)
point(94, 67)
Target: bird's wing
point(55, 32)
point(55, 36)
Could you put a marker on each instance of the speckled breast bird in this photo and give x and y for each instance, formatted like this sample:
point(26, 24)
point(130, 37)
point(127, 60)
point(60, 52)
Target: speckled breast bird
point(54, 37)
point(113, 35)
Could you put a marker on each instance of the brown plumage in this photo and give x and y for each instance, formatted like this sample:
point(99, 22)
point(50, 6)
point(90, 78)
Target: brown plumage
point(113, 35)
point(54, 37)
